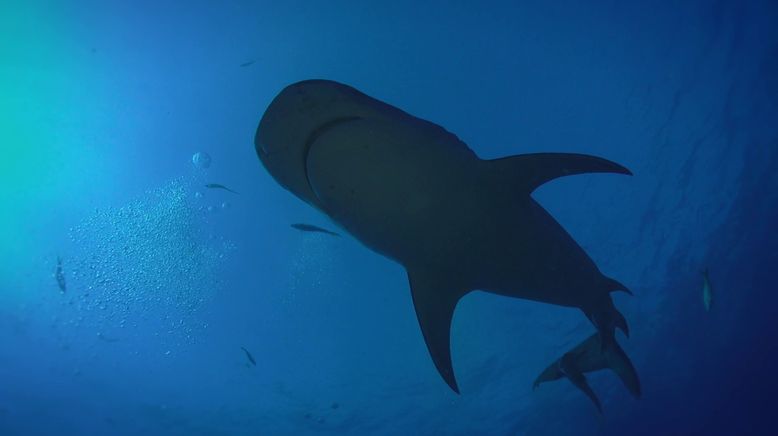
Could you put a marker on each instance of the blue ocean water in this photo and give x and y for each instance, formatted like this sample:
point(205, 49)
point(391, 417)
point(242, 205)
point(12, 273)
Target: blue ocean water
point(167, 279)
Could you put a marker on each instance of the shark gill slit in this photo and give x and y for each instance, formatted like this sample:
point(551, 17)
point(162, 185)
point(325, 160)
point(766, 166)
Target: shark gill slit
point(315, 134)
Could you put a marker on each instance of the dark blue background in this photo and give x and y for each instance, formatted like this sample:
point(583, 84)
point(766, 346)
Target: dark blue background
point(684, 94)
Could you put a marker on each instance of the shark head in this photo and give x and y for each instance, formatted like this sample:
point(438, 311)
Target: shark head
point(300, 114)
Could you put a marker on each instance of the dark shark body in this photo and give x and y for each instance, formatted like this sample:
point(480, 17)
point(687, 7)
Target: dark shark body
point(413, 192)
point(590, 356)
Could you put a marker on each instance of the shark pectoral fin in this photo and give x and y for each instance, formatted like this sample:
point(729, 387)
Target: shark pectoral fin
point(618, 361)
point(529, 171)
point(435, 300)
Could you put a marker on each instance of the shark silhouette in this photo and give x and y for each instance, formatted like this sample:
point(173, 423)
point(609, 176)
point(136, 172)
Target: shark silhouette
point(589, 356)
point(413, 192)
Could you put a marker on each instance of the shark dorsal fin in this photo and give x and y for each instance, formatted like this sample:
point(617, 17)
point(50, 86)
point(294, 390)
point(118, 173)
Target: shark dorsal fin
point(435, 298)
point(528, 171)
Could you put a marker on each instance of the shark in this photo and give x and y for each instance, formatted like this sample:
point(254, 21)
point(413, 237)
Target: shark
point(413, 192)
point(589, 356)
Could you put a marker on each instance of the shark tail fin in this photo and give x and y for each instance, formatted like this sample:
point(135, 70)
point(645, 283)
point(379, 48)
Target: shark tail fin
point(570, 365)
point(582, 384)
point(619, 363)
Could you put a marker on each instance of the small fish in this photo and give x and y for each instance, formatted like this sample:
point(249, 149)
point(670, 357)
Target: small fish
point(249, 356)
point(312, 228)
point(247, 64)
point(60, 276)
point(219, 186)
point(707, 291)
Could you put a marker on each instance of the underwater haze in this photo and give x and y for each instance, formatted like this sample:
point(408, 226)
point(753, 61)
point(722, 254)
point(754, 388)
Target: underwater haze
point(152, 283)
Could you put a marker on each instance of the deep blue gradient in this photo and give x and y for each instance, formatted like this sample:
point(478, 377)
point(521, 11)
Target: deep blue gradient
point(684, 94)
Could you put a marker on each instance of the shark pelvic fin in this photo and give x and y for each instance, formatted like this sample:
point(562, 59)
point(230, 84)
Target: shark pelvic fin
point(615, 285)
point(435, 299)
point(532, 170)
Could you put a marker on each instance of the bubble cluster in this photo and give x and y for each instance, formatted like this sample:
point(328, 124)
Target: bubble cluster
point(154, 255)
